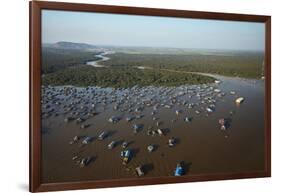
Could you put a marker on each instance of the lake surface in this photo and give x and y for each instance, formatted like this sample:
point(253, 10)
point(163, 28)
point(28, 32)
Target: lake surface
point(200, 144)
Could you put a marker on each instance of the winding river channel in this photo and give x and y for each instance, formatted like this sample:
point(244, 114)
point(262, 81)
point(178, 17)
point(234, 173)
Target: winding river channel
point(101, 57)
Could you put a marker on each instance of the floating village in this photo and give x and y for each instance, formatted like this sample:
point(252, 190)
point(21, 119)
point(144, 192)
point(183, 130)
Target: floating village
point(187, 103)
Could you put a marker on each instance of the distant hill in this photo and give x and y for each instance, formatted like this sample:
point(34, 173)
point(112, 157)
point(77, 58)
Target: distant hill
point(70, 45)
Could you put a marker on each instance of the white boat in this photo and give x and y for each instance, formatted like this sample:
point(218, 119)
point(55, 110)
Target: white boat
point(187, 119)
point(102, 135)
point(209, 110)
point(160, 132)
point(171, 142)
point(87, 140)
point(114, 119)
point(178, 112)
point(111, 145)
point(150, 148)
point(85, 161)
point(239, 100)
point(139, 171)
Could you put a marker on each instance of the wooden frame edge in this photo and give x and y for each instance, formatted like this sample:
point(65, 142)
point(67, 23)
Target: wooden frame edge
point(149, 11)
point(146, 181)
point(35, 82)
point(268, 96)
point(35, 7)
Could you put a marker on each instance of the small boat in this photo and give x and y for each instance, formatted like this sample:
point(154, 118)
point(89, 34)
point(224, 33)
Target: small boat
point(160, 132)
point(139, 116)
point(115, 107)
point(168, 106)
point(150, 132)
point(79, 120)
point(139, 171)
point(137, 127)
point(74, 140)
point(171, 142)
point(84, 126)
point(124, 144)
point(223, 123)
point(239, 100)
point(150, 148)
point(179, 171)
point(85, 161)
point(102, 135)
point(111, 145)
point(129, 118)
point(178, 112)
point(138, 109)
point(158, 123)
point(87, 140)
point(75, 157)
point(187, 119)
point(126, 156)
point(92, 114)
point(114, 119)
point(67, 119)
point(209, 110)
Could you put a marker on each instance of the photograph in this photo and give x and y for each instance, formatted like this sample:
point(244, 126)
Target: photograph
point(128, 96)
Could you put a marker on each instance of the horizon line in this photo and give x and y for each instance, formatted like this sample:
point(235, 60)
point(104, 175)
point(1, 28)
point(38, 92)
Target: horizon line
point(163, 47)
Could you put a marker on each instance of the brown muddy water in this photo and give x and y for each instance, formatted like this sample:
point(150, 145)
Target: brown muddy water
point(200, 144)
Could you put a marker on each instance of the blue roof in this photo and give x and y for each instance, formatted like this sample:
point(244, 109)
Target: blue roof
point(179, 171)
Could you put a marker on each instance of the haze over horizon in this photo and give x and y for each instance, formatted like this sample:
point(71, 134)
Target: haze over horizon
point(150, 31)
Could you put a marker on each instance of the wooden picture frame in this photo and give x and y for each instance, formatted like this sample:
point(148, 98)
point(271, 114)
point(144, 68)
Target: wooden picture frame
point(36, 184)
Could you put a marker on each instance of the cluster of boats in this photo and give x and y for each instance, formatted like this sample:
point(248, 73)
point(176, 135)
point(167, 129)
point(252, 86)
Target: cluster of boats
point(131, 104)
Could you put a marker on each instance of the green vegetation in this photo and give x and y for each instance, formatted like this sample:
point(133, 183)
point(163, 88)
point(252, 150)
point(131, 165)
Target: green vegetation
point(67, 67)
point(120, 77)
point(54, 59)
point(242, 64)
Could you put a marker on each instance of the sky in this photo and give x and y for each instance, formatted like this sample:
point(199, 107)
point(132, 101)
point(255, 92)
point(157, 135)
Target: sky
point(150, 31)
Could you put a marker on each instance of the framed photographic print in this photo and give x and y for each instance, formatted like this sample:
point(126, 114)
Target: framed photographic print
point(123, 96)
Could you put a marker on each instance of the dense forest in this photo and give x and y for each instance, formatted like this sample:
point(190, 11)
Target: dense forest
point(242, 64)
point(67, 67)
point(54, 59)
point(120, 77)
